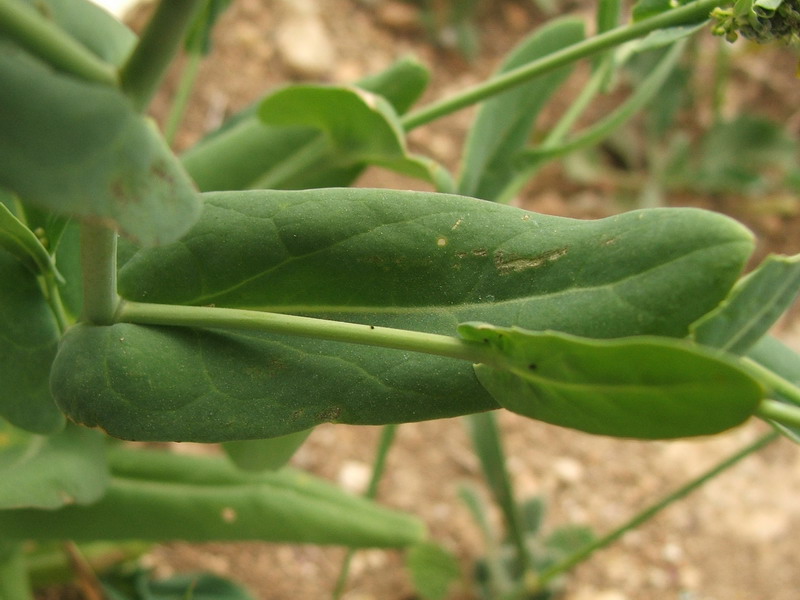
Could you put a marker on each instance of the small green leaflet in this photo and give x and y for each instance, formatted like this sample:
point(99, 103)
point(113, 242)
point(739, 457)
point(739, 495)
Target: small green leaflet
point(641, 387)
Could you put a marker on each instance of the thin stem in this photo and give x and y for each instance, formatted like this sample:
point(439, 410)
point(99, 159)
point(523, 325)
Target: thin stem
point(99, 266)
point(181, 100)
point(785, 388)
point(581, 555)
point(339, 331)
point(678, 16)
point(147, 65)
point(384, 445)
point(53, 295)
point(784, 414)
point(42, 37)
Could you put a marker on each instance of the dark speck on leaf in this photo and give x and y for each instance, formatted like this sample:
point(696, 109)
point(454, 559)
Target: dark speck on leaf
point(532, 366)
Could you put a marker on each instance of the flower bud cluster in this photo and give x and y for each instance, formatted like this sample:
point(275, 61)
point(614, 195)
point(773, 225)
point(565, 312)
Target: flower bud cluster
point(761, 21)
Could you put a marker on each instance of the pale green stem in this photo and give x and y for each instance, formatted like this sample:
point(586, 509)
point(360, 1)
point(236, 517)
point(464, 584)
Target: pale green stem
point(141, 75)
point(339, 331)
point(581, 555)
point(181, 100)
point(99, 266)
point(690, 13)
point(53, 295)
point(42, 37)
point(785, 414)
point(14, 581)
point(384, 445)
point(785, 388)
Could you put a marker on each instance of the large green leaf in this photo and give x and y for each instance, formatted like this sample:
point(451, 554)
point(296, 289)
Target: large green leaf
point(399, 259)
point(68, 467)
point(755, 304)
point(642, 387)
point(80, 149)
point(504, 123)
point(245, 151)
point(429, 261)
point(159, 496)
point(28, 341)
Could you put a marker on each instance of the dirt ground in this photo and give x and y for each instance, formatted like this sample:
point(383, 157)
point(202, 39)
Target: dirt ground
point(736, 539)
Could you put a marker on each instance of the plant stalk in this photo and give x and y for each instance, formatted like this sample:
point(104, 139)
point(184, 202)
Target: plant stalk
point(384, 445)
point(581, 555)
point(181, 99)
point(338, 331)
point(782, 413)
point(690, 13)
point(14, 581)
point(141, 75)
point(42, 37)
point(99, 266)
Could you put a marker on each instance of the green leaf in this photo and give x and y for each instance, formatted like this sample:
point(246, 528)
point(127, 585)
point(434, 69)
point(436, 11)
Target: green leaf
point(244, 151)
point(65, 468)
point(504, 123)
point(433, 569)
point(360, 127)
point(28, 341)
point(80, 149)
point(648, 388)
point(177, 497)
point(23, 244)
point(138, 585)
point(262, 455)
point(102, 34)
point(408, 260)
point(754, 305)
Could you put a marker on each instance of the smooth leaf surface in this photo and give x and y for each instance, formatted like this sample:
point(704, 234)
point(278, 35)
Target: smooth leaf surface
point(753, 307)
point(165, 496)
point(360, 127)
point(49, 472)
point(28, 342)
point(504, 123)
point(245, 151)
point(80, 149)
point(262, 455)
point(649, 388)
point(397, 259)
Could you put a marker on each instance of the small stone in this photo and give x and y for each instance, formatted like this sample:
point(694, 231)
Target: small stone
point(568, 470)
point(399, 16)
point(305, 46)
point(354, 476)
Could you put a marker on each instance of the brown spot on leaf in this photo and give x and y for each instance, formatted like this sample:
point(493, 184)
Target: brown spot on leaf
point(515, 263)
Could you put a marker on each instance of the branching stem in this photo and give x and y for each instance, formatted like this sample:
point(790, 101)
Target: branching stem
point(690, 13)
